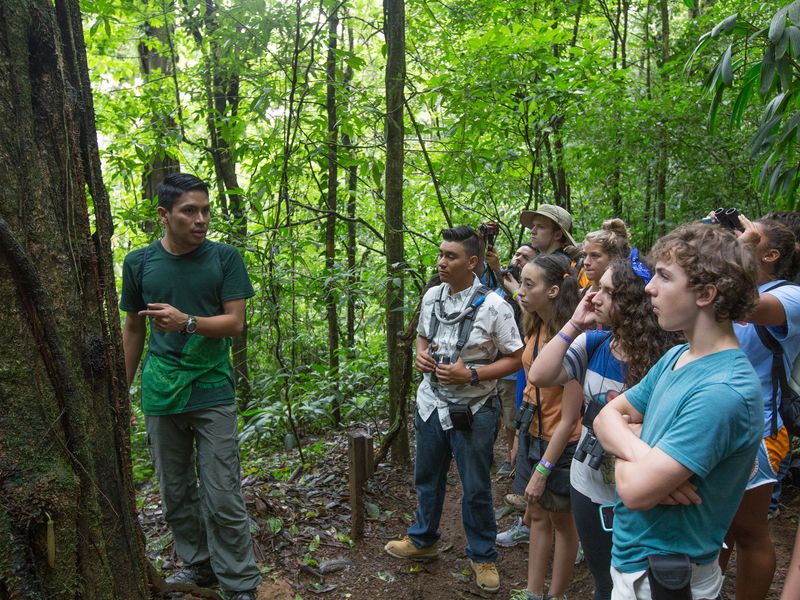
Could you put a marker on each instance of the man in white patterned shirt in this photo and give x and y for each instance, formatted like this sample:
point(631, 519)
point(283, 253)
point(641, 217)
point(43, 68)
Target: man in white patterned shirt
point(467, 339)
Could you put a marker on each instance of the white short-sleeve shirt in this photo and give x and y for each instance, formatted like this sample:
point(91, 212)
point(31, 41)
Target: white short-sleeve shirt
point(494, 332)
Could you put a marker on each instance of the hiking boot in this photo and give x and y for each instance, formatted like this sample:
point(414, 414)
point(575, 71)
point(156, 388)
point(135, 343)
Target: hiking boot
point(517, 534)
point(486, 576)
point(505, 469)
point(245, 595)
point(199, 574)
point(405, 548)
point(516, 502)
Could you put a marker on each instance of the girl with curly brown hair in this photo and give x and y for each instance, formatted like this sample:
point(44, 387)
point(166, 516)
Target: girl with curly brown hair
point(605, 363)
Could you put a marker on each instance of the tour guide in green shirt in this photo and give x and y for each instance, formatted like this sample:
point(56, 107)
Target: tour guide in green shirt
point(193, 291)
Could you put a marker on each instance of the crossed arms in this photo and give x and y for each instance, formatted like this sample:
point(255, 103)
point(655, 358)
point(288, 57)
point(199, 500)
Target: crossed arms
point(646, 476)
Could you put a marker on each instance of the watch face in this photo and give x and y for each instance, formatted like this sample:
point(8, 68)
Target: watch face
point(191, 325)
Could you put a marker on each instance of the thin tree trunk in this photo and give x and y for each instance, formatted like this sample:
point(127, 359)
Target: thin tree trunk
point(663, 158)
point(222, 104)
point(330, 222)
point(352, 186)
point(394, 23)
point(151, 60)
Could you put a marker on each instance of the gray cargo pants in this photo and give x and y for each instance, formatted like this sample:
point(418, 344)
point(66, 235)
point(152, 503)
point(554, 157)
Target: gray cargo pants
point(208, 521)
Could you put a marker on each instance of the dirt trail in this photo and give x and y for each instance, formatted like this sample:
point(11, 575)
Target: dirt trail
point(372, 574)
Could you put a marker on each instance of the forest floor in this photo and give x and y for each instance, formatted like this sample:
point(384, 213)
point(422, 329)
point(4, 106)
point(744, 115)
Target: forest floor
point(304, 550)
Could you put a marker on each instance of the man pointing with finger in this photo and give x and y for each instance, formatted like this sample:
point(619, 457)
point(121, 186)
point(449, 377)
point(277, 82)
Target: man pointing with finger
point(193, 291)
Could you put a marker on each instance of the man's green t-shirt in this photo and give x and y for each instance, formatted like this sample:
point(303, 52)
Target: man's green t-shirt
point(182, 373)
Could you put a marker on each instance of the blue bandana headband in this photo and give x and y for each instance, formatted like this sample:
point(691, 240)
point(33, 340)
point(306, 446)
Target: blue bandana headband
point(639, 267)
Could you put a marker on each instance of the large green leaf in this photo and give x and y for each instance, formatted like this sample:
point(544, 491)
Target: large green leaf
point(727, 69)
point(768, 68)
point(777, 26)
point(726, 25)
point(750, 80)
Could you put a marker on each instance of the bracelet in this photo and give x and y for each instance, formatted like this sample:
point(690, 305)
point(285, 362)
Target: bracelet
point(542, 470)
point(547, 464)
point(566, 338)
point(578, 329)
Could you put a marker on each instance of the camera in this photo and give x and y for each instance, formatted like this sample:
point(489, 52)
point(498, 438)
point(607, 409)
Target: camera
point(513, 270)
point(440, 360)
point(728, 218)
point(488, 232)
point(590, 447)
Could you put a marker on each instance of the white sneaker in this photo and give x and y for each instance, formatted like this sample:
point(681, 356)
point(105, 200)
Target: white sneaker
point(517, 534)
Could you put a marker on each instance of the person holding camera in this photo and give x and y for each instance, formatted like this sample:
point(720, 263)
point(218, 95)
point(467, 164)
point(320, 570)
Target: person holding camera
point(551, 228)
point(690, 429)
point(605, 364)
point(776, 319)
point(463, 326)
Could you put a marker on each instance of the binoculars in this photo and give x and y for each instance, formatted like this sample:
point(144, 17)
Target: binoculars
point(728, 218)
point(440, 360)
point(590, 447)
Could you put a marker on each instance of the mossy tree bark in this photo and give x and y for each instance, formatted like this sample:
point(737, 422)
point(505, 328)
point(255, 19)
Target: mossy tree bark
point(67, 513)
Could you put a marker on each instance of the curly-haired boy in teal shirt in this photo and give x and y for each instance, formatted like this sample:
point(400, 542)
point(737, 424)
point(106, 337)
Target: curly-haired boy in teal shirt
point(690, 429)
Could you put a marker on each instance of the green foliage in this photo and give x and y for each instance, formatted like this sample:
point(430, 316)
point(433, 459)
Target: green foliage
point(506, 98)
point(766, 61)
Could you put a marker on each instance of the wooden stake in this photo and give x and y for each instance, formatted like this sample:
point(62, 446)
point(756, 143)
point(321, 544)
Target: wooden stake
point(357, 446)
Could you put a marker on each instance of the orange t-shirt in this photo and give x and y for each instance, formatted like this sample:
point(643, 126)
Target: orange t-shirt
point(550, 397)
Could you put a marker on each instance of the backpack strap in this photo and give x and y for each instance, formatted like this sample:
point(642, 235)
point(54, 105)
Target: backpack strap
point(778, 371)
point(465, 328)
point(464, 331)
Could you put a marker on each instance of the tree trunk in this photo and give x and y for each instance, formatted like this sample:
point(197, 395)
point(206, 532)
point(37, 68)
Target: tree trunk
point(330, 221)
point(663, 158)
point(152, 60)
point(67, 510)
point(394, 18)
point(222, 105)
point(352, 186)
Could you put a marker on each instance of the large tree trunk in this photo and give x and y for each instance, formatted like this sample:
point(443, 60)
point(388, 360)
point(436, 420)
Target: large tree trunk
point(395, 31)
point(67, 512)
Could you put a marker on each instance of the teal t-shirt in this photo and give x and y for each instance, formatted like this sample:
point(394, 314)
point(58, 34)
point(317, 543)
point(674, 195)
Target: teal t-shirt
point(183, 373)
point(708, 416)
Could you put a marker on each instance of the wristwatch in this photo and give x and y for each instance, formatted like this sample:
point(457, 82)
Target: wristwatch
point(190, 326)
point(473, 376)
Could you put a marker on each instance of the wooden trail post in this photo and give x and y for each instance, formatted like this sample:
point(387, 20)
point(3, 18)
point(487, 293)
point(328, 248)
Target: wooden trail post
point(360, 451)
